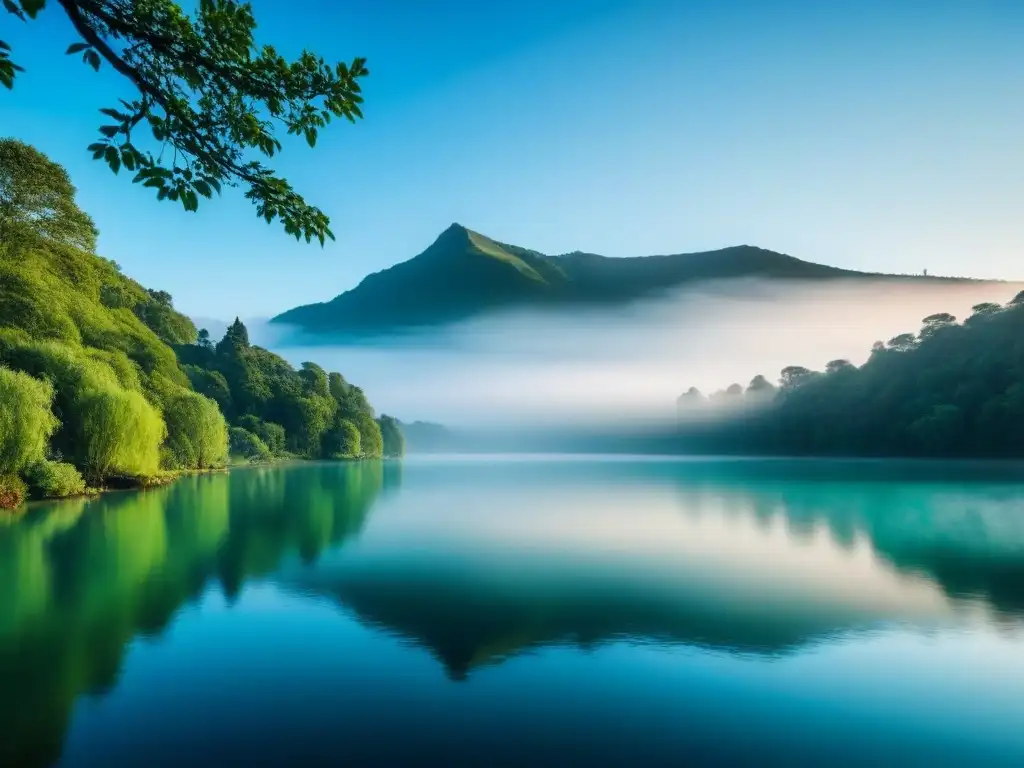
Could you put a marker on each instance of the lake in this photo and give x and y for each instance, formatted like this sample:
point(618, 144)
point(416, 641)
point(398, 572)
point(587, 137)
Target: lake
point(547, 610)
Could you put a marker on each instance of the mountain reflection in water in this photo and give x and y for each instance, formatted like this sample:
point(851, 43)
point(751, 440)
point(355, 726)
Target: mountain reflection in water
point(480, 560)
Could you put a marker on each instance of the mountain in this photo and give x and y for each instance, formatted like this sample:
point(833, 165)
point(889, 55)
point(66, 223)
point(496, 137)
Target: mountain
point(464, 273)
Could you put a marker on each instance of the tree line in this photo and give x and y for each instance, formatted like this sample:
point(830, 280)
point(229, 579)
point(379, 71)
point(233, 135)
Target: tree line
point(103, 382)
point(952, 389)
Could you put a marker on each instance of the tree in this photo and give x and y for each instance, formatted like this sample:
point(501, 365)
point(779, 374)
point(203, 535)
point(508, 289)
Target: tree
point(795, 375)
point(391, 433)
point(835, 366)
point(983, 311)
point(343, 441)
point(903, 343)
point(120, 434)
point(760, 387)
point(371, 440)
point(934, 323)
point(236, 338)
point(203, 339)
point(247, 445)
point(37, 196)
point(26, 422)
point(197, 436)
point(209, 98)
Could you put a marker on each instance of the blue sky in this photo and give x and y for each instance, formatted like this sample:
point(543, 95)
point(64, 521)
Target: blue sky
point(866, 134)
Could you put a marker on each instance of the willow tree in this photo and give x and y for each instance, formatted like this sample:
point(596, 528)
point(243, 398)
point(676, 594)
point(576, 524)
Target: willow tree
point(26, 421)
point(207, 103)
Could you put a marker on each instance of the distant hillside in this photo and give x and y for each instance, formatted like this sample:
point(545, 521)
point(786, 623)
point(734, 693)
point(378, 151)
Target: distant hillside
point(464, 273)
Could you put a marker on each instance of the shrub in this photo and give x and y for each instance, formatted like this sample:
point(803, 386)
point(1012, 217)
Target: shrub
point(12, 491)
point(244, 443)
point(119, 434)
point(54, 480)
point(26, 421)
point(197, 435)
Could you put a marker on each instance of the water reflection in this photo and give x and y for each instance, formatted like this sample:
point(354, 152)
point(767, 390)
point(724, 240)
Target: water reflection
point(80, 580)
point(476, 561)
point(758, 558)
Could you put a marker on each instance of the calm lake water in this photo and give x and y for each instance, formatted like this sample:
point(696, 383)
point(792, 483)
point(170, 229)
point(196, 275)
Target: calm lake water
point(522, 611)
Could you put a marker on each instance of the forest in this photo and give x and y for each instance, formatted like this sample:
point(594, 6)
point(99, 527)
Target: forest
point(103, 383)
point(951, 389)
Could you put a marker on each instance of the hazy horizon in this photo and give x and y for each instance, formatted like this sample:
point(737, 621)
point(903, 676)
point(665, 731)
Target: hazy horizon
point(591, 367)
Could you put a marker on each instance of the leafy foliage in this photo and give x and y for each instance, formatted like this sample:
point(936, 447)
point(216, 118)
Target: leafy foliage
point(98, 369)
point(247, 445)
point(38, 198)
point(391, 434)
point(26, 422)
point(120, 434)
point(343, 441)
point(951, 390)
point(197, 435)
point(54, 480)
point(207, 100)
point(307, 412)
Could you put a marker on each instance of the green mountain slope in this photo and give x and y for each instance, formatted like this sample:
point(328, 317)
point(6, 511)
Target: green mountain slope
point(464, 273)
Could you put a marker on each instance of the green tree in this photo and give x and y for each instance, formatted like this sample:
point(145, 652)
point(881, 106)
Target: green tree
point(197, 436)
point(37, 196)
point(342, 441)
point(210, 99)
point(371, 441)
point(26, 421)
point(248, 445)
point(391, 434)
point(119, 434)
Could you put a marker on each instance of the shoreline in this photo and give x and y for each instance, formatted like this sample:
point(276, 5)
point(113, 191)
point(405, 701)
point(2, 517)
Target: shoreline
point(162, 481)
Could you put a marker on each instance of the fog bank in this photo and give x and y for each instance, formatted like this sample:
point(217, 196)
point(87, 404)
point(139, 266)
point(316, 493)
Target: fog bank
point(588, 367)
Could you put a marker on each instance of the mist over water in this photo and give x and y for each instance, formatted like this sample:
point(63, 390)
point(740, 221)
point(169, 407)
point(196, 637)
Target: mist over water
point(594, 367)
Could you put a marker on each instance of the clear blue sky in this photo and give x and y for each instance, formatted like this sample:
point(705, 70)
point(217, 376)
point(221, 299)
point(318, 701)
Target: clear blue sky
point(871, 134)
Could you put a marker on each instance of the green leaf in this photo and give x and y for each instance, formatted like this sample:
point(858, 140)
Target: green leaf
point(110, 130)
point(113, 159)
point(13, 8)
point(76, 47)
point(92, 59)
point(154, 182)
point(114, 114)
point(32, 7)
point(203, 188)
point(128, 158)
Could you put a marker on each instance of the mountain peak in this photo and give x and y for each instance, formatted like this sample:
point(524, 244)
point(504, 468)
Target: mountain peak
point(454, 236)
